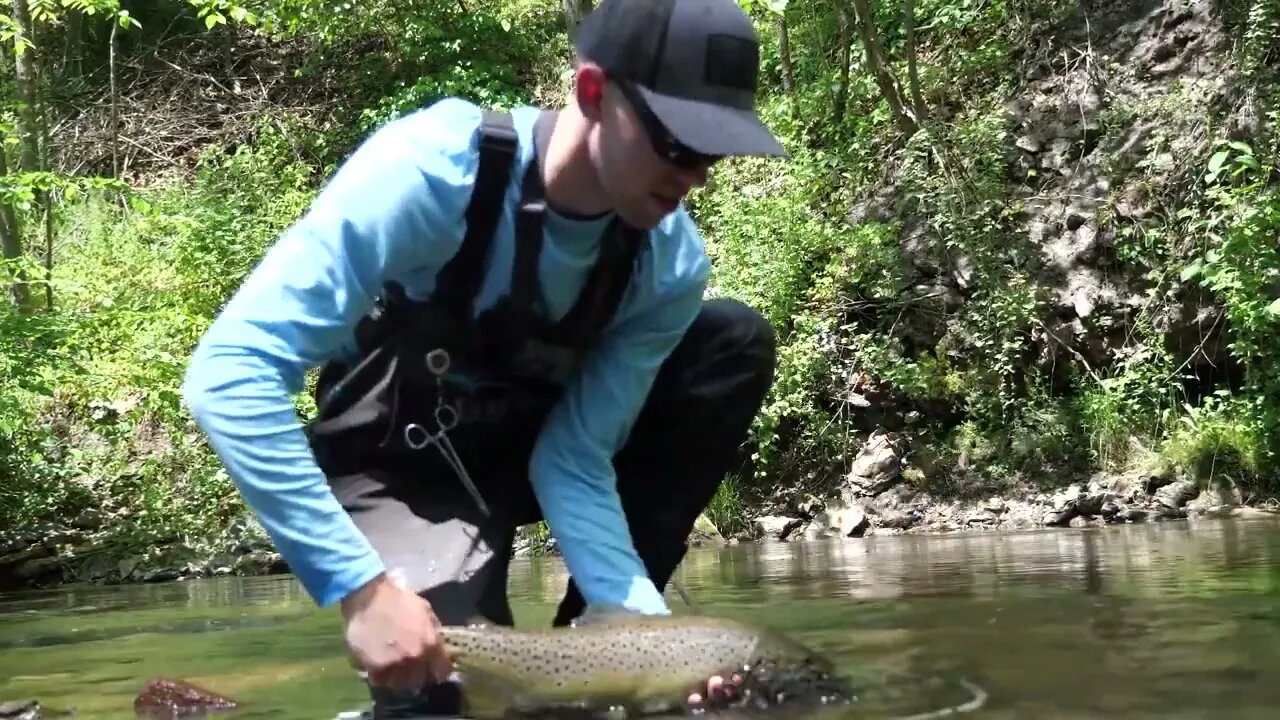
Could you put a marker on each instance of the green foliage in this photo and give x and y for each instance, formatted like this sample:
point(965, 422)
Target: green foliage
point(842, 296)
point(1229, 435)
point(92, 417)
point(492, 85)
point(227, 219)
point(97, 419)
point(1236, 225)
point(1137, 399)
point(771, 251)
point(1261, 35)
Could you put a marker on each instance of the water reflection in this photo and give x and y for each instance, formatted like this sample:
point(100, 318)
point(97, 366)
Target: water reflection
point(1160, 620)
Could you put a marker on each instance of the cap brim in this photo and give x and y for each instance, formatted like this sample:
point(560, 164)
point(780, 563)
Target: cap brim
point(713, 129)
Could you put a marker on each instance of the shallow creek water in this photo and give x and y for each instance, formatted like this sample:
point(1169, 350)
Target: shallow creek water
point(1169, 620)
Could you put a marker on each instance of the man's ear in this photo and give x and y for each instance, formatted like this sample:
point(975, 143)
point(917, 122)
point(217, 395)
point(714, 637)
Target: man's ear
point(588, 87)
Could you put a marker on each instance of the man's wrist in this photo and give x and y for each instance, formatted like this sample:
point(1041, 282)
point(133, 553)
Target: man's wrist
point(358, 599)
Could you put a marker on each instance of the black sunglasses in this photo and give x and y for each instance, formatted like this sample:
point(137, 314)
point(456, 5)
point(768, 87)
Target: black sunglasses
point(664, 143)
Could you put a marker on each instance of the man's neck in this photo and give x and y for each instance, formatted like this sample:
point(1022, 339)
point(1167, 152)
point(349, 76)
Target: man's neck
point(572, 186)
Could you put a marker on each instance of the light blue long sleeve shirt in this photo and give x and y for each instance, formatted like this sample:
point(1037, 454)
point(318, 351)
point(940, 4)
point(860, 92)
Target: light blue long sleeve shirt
point(395, 211)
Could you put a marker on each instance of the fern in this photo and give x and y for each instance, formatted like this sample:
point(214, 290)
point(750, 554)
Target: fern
point(1261, 34)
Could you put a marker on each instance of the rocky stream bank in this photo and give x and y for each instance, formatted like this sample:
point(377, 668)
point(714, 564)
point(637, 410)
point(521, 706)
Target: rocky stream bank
point(881, 495)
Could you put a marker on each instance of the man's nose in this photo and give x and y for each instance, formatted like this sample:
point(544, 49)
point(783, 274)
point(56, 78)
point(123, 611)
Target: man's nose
point(695, 176)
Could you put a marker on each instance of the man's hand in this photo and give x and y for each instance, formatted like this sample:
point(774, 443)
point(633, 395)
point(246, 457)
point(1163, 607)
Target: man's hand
point(391, 632)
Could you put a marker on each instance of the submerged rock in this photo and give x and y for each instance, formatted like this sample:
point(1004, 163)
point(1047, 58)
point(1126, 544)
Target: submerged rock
point(165, 697)
point(30, 710)
point(20, 710)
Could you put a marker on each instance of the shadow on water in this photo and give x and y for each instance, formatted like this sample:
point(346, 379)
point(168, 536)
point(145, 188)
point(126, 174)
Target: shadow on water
point(1174, 620)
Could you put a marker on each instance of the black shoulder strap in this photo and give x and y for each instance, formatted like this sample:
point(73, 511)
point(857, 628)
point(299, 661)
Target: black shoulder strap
point(601, 295)
point(526, 290)
point(609, 277)
point(460, 278)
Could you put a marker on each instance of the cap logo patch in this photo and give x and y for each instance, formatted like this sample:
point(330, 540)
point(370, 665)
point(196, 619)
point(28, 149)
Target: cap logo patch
point(732, 61)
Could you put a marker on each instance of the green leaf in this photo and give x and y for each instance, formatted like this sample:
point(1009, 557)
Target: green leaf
point(1217, 161)
point(1190, 271)
point(1274, 307)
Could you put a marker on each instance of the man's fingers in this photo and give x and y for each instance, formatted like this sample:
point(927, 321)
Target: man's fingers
point(394, 635)
point(715, 691)
point(413, 676)
point(401, 668)
point(441, 668)
point(408, 668)
point(384, 678)
point(718, 690)
point(398, 676)
point(715, 686)
point(417, 675)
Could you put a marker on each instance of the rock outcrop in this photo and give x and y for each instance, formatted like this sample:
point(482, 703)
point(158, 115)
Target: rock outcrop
point(886, 502)
point(1105, 132)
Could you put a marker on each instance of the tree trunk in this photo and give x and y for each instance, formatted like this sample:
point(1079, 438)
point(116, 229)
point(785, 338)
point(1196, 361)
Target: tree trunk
point(115, 102)
point(841, 100)
point(44, 201)
point(228, 38)
point(889, 87)
point(25, 77)
point(24, 72)
point(784, 56)
point(32, 128)
point(11, 243)
point(73, 46)
point(913, 74)
point(574, 11)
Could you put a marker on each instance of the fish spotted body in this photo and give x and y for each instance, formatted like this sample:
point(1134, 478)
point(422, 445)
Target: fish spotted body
point(646, 664)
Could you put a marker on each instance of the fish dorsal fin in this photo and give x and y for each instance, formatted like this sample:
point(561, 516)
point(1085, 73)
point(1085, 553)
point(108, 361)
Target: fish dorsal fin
point(477, 620)
point(608, 613)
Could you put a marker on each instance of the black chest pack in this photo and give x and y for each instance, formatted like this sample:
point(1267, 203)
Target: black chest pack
point(428, 366)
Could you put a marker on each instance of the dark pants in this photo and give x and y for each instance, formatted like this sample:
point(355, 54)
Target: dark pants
point(425, 525)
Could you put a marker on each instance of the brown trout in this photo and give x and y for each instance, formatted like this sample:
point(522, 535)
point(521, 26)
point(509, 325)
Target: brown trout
point(644, 664)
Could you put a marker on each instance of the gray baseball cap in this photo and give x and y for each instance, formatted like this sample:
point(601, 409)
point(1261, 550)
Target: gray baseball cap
point(695, 62)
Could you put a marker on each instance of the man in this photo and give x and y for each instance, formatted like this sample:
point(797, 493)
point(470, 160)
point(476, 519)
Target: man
point(504, 338)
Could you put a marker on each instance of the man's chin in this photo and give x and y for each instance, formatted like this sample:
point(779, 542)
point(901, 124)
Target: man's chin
point(646, 219)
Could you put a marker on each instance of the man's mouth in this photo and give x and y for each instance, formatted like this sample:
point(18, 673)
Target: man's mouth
point(667, 201)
